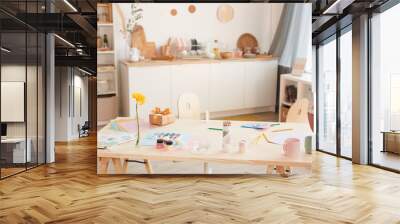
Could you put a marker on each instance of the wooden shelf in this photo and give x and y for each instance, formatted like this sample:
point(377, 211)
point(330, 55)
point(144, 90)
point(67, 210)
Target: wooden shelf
point(109, 24)
point(105, 68)
point(107, 82)
point(103, 4)
point(110, 93)
point(106, 52)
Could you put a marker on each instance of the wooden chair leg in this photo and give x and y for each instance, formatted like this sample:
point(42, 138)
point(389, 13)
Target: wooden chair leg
point(103, 165)
point(148, 167)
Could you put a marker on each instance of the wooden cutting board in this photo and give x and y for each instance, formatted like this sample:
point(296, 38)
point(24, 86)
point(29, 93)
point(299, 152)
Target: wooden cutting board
point(247, 40)
point(138, 38)
point(149, 50)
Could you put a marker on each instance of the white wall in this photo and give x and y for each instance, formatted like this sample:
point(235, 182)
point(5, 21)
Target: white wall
point(259, 19)
point(33, 127)
point(10, 73)
point(79, 117)
point(67, 85)
point(61, 103)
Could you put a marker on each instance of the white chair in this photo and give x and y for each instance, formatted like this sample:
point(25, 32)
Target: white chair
point(298, 112)
point(189, 106)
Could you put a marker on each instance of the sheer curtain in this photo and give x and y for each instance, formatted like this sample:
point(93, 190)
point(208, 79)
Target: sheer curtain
point(292, 38)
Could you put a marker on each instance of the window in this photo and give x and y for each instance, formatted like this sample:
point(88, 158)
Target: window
point(327, 97)
point(385, 89)
point(346, 94)
point(22, 78)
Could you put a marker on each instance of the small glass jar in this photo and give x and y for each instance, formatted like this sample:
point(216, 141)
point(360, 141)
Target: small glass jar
point(168, 144)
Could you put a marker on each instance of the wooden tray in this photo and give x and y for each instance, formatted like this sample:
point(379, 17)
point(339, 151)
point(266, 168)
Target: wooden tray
point(161, 120)
point(247, 40)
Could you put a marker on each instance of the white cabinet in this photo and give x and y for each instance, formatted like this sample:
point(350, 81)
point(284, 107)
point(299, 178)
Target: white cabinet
point(191, 78)
point(155, 84)
point(229, 87)
point(226, 86)
point(260, 84)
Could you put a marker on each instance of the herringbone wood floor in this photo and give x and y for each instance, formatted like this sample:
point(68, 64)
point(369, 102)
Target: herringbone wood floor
point(69, 191)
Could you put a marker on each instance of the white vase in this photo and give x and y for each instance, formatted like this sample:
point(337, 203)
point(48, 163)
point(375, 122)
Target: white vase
point(134, 55)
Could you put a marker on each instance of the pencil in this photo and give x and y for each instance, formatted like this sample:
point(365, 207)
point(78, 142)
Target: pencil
point(285, 129)
point(215, 129)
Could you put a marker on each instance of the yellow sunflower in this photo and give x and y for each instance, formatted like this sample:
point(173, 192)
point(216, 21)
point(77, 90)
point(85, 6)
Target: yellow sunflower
point(139, 98)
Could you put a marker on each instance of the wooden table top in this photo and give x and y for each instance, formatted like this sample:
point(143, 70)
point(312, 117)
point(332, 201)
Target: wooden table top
point(198, 130)
point(194, 61)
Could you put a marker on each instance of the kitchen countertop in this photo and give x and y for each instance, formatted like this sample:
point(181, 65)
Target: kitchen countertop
point(194, 61)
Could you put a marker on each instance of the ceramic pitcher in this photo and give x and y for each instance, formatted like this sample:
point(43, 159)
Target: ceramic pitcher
point(134, 55)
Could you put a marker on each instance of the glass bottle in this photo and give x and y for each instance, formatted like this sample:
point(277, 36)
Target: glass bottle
point(105, 41)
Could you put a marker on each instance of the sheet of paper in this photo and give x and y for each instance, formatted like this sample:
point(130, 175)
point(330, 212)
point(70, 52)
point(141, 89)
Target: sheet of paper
point(256, 126)
point(110, 138)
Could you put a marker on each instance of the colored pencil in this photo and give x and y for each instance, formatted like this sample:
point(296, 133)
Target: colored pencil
point(215, 129)
point(285, 129)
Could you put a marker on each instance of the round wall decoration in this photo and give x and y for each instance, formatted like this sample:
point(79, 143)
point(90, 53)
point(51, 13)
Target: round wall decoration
point(225, 13)
point(247, 40)
point(174, 12)
point(192, 8)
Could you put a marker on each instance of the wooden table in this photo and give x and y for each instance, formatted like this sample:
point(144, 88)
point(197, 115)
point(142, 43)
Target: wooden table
point(261, 153)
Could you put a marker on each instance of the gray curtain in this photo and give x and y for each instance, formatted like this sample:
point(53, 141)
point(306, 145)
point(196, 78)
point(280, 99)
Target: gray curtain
point(292, 38)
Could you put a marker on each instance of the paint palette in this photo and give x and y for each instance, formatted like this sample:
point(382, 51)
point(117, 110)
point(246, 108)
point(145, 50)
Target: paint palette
point(177, 138)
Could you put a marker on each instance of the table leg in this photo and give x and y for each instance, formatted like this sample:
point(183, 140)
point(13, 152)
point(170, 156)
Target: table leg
point(125, 166)
point(117, 165)
point(289, 170)
point(148, 167)
point(205, 167)
point(103, 165)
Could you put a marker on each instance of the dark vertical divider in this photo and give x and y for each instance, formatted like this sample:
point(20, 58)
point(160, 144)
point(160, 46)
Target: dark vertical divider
point(1, 160)
point(338, 95)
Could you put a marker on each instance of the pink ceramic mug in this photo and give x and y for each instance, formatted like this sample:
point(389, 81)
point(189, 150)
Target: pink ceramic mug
point(291, 147)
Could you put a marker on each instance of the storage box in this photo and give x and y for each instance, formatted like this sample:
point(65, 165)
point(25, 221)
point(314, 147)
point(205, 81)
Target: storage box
point(161, 120)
